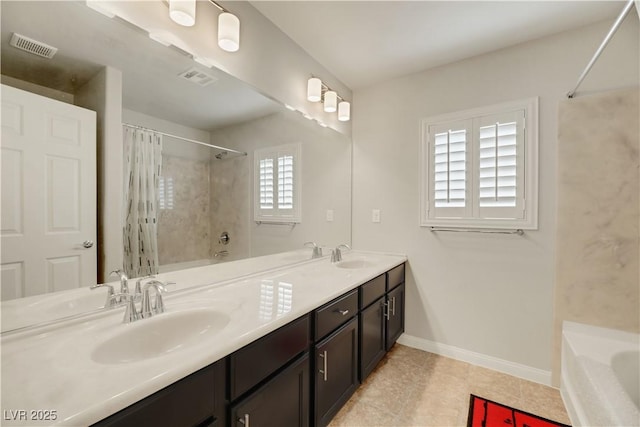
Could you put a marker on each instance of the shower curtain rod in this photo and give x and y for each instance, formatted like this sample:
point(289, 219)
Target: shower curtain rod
point(604, 43)
point(225, 150)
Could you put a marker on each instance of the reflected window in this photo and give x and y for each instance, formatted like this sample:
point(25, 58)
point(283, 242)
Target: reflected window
point(165, 190)
point(277, 184)
point(276, 299)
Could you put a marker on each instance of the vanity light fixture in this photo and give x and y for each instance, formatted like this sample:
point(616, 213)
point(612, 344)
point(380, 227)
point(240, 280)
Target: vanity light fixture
point(330, 101)
point(318, 91)
point(344, 111)
point(228, 29)
point(183, 12)
point(228, 32)
point(314, 89)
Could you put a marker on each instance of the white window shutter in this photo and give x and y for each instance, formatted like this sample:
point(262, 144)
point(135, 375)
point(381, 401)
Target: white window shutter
point(500, 165)
point(448, 159)
point(479, 168)
point(266, 183)
point(277, 184)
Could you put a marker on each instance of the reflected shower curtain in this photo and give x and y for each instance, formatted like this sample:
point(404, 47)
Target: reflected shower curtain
point(142, 168)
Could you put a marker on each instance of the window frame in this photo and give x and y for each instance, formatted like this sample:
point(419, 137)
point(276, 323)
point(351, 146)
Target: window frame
point(529, 178)
point(289, 216)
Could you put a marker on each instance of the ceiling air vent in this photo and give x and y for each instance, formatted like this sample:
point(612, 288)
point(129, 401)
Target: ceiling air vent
point(198, 77)
point(32, 46)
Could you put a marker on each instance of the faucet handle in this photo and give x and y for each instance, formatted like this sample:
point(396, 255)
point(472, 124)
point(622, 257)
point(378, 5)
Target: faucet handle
point(111, 295)
point(317, 250)
point(131, 312)
point(138, 290)
point(343, 245)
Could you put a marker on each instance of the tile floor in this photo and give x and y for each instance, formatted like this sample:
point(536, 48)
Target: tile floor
point(414, 388)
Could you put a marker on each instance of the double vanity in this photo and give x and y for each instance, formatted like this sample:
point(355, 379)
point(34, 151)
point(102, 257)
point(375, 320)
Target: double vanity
point(283, 346)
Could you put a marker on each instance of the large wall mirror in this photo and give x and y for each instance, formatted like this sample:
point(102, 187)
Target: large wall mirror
point(203, 192)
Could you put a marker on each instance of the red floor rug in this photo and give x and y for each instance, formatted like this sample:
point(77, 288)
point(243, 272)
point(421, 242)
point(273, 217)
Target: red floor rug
point(486, 413)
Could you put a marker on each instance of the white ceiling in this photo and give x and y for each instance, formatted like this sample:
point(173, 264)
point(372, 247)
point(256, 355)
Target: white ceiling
point(365, 42)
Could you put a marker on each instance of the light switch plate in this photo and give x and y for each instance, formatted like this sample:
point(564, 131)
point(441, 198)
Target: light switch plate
point(329, 215)
point(375, 215)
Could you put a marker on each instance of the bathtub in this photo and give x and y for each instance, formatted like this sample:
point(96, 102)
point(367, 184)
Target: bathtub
point(600, 375)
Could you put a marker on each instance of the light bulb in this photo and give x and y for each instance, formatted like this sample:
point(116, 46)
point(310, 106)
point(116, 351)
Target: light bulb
point(330, 101)
point(314, 89)
point(344, 111)
point(228, 32)
point(183, 12)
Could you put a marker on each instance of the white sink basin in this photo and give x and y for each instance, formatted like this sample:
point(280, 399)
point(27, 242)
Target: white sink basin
point(160, 335)
point(354, 263)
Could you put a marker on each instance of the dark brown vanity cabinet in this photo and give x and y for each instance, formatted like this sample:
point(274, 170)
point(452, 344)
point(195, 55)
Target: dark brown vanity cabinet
point(395, 300)
point(269, 381)
point(373, 345)
point(394, 315)
point(381, 317)
point(299, 375)
point(336, 373)
point(196, 400)
point(282, 401)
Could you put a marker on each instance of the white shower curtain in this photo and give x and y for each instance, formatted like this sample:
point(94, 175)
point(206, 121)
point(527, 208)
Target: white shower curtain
point(142, 169)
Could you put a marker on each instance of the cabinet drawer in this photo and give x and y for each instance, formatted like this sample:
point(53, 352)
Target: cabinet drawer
point(255, 362)
point(336, 313)
point(395, 276)
point(372, 290)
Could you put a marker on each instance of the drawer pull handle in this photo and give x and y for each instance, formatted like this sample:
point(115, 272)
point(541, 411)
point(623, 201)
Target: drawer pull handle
point(343, 312)
point(245, 420)
point(393, 306)
point(385, 310)
point(324, 370)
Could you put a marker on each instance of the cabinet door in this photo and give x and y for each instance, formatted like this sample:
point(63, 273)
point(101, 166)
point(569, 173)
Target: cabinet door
point(336, 373)
point(395, 310)
point(282, 401)
point(197, 400)
point(372, 342)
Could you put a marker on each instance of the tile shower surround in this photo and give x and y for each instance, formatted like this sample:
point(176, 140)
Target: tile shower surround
point(598, 237)
point(184, 231)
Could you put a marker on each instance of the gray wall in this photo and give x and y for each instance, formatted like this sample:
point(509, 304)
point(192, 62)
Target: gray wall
point(484, 298)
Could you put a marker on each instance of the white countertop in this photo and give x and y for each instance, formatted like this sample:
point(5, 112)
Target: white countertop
point(52, 368)
point(25, 312)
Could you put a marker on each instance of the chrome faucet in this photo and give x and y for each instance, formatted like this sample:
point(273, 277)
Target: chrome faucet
point(131, 312)
point(111, 296)
point(138, 290)
point(147, 310)
point(336, 254)
point(317, 250)
point(124, 280)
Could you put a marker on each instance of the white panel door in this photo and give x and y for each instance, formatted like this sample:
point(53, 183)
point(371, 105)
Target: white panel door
point(48, 171)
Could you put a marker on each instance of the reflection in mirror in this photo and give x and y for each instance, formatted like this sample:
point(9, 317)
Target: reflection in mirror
point(200, 192)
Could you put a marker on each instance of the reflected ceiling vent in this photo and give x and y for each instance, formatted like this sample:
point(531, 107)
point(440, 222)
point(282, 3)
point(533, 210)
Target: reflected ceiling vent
point(198, 77)
point(32, 46)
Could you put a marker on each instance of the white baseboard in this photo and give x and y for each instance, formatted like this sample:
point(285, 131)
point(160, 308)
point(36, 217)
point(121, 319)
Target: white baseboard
point(478, 359)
